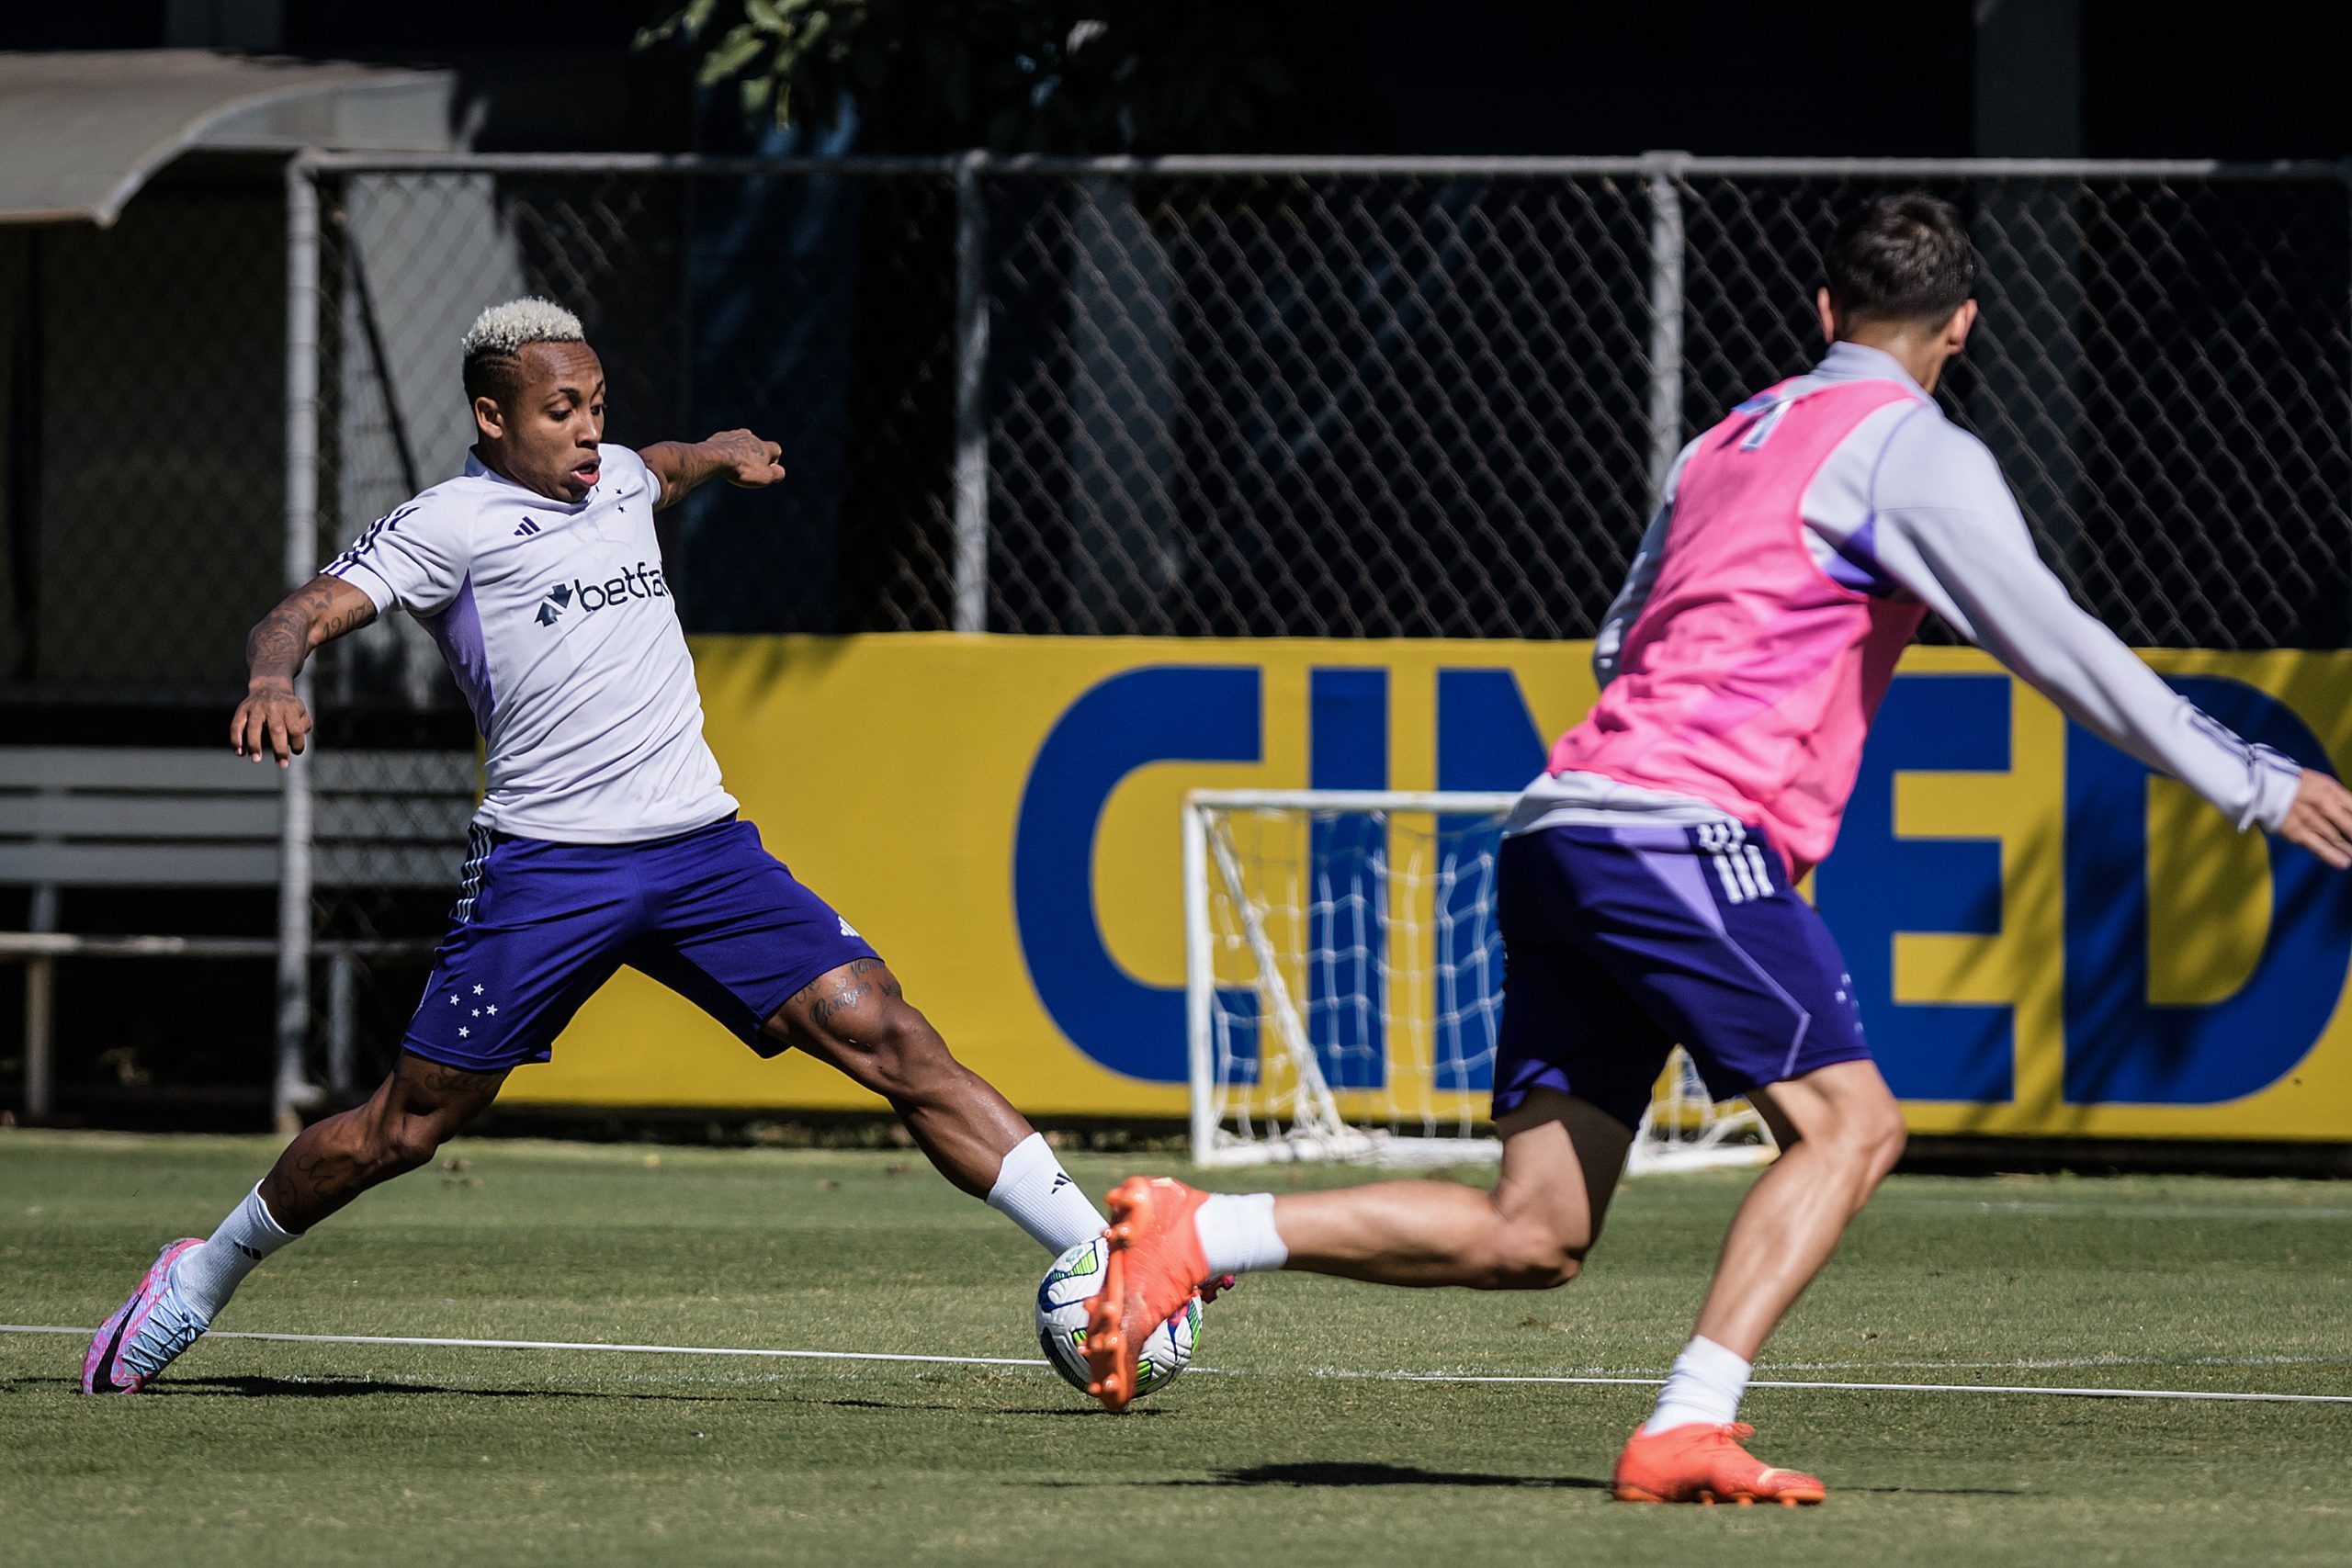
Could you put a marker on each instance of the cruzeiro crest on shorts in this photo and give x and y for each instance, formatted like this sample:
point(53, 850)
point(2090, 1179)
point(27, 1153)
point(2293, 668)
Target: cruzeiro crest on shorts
point(1739, 862)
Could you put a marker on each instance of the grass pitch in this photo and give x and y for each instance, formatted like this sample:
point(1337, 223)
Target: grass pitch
point(254, 1452)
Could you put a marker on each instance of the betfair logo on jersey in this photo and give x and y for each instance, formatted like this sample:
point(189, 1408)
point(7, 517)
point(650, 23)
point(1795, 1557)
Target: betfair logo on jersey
point(645, 582)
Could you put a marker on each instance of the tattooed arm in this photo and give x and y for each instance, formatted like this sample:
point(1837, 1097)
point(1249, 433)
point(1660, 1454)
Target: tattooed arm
point(739, 457)
point(271, 720)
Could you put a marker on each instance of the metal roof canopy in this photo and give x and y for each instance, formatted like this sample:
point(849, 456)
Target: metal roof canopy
point(80, 133)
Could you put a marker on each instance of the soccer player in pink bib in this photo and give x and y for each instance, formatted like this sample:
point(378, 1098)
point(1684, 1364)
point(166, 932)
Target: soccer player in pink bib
point(1645, 884)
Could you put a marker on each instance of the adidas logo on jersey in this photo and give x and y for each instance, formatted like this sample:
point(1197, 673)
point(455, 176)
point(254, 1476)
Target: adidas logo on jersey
point(644, 582)
point(526, 530)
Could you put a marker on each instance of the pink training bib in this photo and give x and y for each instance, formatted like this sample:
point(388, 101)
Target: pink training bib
point(1749, 678)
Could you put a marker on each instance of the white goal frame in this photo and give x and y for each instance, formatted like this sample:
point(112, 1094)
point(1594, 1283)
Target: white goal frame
point(1681, 1131)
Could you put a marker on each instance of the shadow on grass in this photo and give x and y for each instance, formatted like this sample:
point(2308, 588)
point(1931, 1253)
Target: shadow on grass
point(346, 1388)
point(1344, 1473)
point(973, 1410)
point(1339, 1472)
point(363, 1388)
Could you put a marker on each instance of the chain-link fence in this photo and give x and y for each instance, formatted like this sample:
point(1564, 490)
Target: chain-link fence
point(1421, 399)
point(2162, 367)
point(1428, 402)
point(1186, 397)
point(813, 305)
point(141, 406)
point(1236, 397)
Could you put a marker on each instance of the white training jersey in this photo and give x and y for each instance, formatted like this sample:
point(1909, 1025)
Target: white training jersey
point(1910, 503)
point(558, 625)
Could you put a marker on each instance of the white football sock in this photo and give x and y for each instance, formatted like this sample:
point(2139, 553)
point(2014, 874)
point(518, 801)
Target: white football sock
point(207, 1275)
point(1705, 1385)
point(1034, 1192)
point(1238, 1232)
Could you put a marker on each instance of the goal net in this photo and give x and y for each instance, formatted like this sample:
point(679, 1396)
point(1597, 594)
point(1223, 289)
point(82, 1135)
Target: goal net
point(1344, 981)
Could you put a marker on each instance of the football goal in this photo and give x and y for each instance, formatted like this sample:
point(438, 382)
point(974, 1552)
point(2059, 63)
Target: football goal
point(1344, 981)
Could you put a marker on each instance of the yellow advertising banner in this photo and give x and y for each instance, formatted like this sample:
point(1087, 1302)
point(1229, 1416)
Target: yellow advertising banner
point(2047, 939)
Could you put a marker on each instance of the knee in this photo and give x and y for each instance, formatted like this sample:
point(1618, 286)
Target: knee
point(1868, 1139)
point(1533, 1257)
point(1887, 1145)
point(1884, 1138)
point(901, 1056)
point(399, 1144)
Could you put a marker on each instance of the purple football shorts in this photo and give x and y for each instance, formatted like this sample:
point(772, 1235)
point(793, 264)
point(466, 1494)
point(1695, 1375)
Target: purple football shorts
point(539, 926)
point(1622, 943)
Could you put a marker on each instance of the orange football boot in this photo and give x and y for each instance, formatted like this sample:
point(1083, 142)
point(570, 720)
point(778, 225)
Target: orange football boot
point(1700, 1462)
point(1156, 1265)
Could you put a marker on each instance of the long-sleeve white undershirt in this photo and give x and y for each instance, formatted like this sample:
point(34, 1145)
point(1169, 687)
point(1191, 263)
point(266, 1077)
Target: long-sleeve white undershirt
point(1911, 504)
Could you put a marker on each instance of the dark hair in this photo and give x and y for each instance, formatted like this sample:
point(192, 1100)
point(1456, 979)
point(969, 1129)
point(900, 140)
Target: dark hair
point(492, 373)
point(1901, 258)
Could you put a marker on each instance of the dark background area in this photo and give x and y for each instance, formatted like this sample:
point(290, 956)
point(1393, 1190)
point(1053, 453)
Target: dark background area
point(1941, 78)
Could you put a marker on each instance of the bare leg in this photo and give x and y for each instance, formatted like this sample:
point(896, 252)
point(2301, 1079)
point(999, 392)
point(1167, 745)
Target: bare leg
point(1561, 1160)
point(856, 1020)
point(1840, 1132)
point(415, 1110)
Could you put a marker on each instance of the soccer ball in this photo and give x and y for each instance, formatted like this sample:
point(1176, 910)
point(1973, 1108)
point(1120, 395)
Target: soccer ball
point(1074, 1279)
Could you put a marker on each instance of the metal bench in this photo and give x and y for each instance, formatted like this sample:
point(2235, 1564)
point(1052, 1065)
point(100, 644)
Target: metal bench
point(75, 817)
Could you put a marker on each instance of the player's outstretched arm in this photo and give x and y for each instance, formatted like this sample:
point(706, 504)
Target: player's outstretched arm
point(271, 720)
point(1949, 530)
point(738, 457)
point(2321, 820)
point(2014, 608)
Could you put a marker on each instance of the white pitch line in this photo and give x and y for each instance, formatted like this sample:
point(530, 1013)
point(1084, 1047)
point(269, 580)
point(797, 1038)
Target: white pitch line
point(2059, 1363)
point(1513, 1378)
point(2230, 1396)
point(579, 1345)
point(2151, 1211)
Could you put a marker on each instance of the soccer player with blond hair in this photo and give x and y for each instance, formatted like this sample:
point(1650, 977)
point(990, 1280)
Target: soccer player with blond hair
point(604, 836)
point(1645, 886)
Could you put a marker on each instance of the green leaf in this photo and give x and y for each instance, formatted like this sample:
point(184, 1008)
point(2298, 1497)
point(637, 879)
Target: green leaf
point(666, 28)
point(687, 20)
point(737, 50)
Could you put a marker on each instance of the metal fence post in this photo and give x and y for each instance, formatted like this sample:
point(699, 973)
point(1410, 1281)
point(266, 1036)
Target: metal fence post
point(343, 1020)
point(1200, 984)
point(1667, 247)
point(290, 1089)
point(40, 1013)
point(971, 480)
